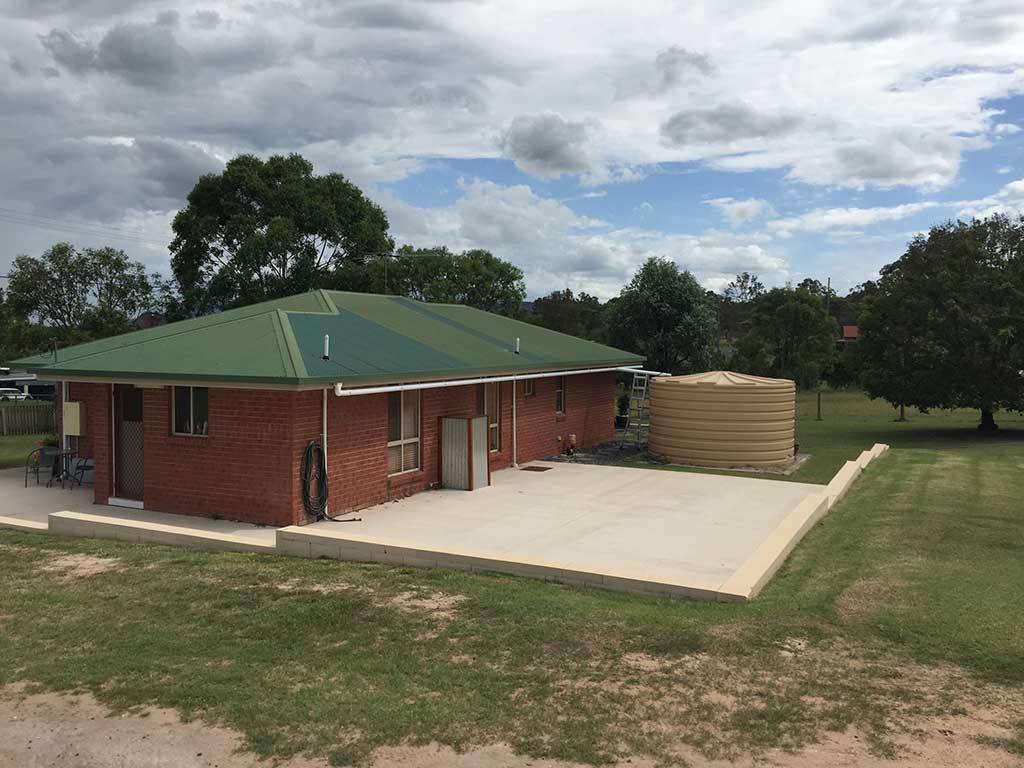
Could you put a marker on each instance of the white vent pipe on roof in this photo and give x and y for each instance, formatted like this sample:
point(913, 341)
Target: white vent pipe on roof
point(327, 346)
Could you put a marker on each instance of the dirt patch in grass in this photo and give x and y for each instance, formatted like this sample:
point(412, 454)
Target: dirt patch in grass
point(437, 605)
point(70, 567)
point(322, 587)
point(45, 729)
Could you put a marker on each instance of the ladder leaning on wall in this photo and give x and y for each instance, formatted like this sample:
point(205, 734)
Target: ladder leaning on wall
point(637, 417)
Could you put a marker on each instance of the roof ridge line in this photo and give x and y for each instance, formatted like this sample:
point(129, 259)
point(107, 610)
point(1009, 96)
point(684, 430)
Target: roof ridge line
point(158, 337)
point(291, 344)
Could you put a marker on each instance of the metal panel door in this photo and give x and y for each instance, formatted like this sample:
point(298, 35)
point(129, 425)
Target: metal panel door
point(454, 454)
point(481, 454)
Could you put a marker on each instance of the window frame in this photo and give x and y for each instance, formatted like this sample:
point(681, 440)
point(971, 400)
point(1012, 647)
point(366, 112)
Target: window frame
point(529, 387)
point(495, 425)
point(403, 441)
point(191, 411)
point(560, 395)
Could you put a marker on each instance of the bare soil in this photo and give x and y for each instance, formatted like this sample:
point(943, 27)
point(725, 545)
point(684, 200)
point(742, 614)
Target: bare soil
point(76, 731)
point(76, 566)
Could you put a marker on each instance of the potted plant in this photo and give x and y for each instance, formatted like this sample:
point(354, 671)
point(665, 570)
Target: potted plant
point(622, 418)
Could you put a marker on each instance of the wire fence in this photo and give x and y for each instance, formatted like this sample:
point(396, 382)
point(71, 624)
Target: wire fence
point(27, 418)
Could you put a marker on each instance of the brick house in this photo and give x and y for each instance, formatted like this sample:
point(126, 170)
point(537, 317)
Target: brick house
point(211, 416)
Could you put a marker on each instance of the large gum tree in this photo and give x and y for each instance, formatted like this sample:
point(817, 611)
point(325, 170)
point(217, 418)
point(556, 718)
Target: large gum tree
point(945, 328)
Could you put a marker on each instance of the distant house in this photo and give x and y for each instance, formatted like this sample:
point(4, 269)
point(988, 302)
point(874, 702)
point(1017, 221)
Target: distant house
point(211, 416)
point(848, 334)
point(149, 320)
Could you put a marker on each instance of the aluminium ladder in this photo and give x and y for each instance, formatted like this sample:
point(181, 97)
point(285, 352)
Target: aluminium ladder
point(639, 405)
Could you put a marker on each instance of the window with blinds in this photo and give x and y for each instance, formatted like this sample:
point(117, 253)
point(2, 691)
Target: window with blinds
point(403, 432)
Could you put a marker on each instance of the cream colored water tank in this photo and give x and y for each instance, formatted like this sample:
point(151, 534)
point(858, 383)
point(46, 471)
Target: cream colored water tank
point(723, 419)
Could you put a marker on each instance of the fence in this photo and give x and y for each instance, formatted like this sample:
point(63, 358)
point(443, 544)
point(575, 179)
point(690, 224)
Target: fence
point(27, 418)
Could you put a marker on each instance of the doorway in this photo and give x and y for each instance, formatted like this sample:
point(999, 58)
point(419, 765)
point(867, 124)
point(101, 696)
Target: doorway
point(128, 469)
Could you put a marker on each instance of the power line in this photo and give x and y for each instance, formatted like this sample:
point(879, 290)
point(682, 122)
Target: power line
point(54, 225)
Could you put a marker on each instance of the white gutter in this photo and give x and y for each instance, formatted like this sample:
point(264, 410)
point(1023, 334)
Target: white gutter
point(340, 391)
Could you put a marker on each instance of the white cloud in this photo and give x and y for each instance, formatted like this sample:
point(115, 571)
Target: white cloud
point(824, 219)
point(852, 94)
point(739, 211)
point(1008, 200)
point(557, 247)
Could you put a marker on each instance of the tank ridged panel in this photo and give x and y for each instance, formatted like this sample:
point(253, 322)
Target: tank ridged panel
point(723, 419)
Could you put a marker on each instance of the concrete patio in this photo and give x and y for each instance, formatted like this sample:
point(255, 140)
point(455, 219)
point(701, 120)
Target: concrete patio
point(643, 530)
point(73, 513)
point(651, 531)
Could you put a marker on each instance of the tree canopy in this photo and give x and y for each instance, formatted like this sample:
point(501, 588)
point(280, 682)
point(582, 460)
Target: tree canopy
point(791, 337)
point(578, 315)
point(475, 278)
point(97, 291)
point(263, 229)
point(945, 327)
point(68, 296)
point(664, 314)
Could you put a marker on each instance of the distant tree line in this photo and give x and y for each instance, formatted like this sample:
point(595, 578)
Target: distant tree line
point(943, 327)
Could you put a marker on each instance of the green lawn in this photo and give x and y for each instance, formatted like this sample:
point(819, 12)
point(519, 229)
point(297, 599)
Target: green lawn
point(904, 603)
point(16, 448)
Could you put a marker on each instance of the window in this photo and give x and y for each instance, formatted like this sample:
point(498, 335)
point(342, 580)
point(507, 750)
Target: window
point(190, 410)
point(487, 405)
point(403, 432)
point(528, 389)
point(560, 394)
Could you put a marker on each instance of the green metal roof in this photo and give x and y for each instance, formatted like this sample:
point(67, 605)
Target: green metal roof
point(375, 339)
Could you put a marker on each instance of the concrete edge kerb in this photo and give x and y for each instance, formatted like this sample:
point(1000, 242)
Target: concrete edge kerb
point(750, 578)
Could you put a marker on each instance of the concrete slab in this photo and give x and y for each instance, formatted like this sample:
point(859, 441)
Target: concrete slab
point(30, 509)
point(645, 530)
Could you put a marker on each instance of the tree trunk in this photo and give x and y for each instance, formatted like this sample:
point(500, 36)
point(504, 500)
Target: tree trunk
point(988, 422)
point(903, 413)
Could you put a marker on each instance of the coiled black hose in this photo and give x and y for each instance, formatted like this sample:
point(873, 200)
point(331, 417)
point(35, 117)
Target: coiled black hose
point(314, 470)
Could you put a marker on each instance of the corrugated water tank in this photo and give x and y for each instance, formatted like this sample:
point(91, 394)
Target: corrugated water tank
point(723, 419)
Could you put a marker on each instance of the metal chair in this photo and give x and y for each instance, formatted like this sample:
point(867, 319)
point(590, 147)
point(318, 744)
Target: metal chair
point(77, 474)
point(39, 459)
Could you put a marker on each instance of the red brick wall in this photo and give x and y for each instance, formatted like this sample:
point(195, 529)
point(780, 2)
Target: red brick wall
point(357, 428)
point(248, 467)
point(95, 443)
point(242, 470)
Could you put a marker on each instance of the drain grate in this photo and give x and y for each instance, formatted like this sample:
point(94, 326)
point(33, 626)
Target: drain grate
point(532, 468)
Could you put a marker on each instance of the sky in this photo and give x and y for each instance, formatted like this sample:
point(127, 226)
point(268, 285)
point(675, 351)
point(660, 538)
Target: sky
point(574, 139)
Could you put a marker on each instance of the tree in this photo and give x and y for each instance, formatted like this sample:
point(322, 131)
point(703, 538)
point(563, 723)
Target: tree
point(746, 287)
point(263, 229)
point(580, 315)
point(944, 328)
point(791, 336)
point(96, 290)
point(475, 278)
point(664, 315)
point(733, 306)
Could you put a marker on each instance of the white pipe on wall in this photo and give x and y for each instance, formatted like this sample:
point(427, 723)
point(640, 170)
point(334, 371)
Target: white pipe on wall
point(327, 509)
point(515, 430)
point(64, 442)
